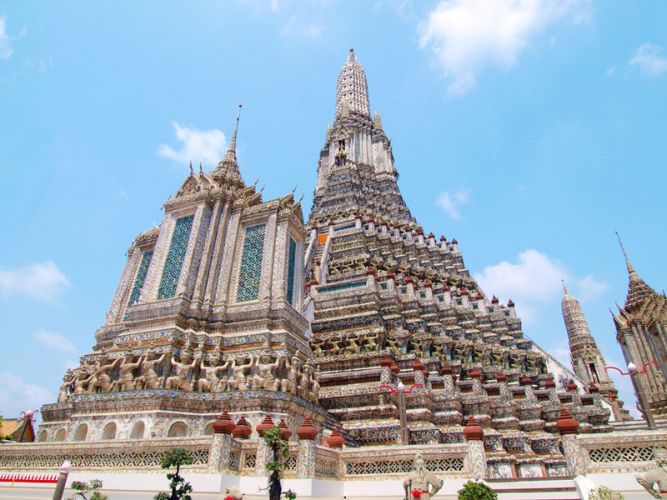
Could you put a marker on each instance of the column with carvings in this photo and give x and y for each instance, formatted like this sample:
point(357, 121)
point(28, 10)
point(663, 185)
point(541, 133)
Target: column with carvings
point(474, 435)
point(218, 457)
point(575, 454)
point(306, 434)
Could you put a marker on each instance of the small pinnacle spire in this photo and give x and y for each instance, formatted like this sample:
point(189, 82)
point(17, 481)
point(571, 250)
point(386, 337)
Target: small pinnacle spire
point(201, 168)
point(191, 171)
point(232, 143)
point(564, 287)
point(631, 270)
point(351, 56)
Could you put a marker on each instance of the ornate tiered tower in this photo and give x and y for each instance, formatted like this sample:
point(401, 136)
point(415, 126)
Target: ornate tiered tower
point(641, 329)
point(232, 304)
point(390, 304)
point(587, 360)
point(206, 316)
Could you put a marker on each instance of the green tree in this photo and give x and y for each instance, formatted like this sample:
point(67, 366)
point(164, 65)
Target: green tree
point(82, 489)
point(280, 449)
point(476, 491)
point(180, 490)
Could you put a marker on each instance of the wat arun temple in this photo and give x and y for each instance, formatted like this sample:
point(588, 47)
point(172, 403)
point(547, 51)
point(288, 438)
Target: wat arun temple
point(359, 333)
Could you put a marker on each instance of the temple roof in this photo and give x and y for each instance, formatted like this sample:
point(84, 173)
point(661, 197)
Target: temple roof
point(638, 290)
point(352, 89)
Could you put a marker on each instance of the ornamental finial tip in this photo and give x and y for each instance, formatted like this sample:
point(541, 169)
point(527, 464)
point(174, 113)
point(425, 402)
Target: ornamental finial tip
point(564, 287)
point(628, 264)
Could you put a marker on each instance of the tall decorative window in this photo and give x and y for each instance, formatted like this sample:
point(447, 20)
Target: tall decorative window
point(250, 274)
point(175, 257)
point(141, 277)
point(290, 271)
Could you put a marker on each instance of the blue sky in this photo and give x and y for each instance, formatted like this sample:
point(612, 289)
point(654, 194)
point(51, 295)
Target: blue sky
point(529, 130)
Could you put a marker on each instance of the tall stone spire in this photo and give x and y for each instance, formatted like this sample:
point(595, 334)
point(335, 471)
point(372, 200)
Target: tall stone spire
point(227, 171)
point(352, 89)
point(638, 290)
point(587, 360)
point(356, 172)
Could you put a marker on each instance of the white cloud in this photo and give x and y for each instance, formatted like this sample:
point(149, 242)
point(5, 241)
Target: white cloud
point(534, 281)
point(535, 276)
point(590, 288)
point(297, 29)
point(451, 203)
point(205, 146)
point(55, 341)
point(5, 49)
point(649, 59)
point(611, 70)
point(465, 36)
point(42, 280)
point(17, 395)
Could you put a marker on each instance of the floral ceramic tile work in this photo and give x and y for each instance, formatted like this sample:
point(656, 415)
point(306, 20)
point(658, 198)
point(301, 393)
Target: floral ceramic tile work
point(141, 277)
point(251, 264)
point(172, 267)
point(290, 271)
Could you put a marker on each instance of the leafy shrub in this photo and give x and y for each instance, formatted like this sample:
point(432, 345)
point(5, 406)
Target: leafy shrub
point(476, 491)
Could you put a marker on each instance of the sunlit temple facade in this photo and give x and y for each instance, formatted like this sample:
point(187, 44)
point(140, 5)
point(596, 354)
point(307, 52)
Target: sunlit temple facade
point(359, 333)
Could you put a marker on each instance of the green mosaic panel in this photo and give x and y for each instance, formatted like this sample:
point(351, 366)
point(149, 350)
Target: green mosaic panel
point(290, 271)
point(339, 287)
point(172, 267)
point(141, 277)
point(250, 275)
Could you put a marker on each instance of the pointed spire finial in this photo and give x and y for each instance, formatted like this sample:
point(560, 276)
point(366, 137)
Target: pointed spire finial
point(351, 56)
point(631, 270)
point(191, 171)
point(201, 168)
point(564, 287)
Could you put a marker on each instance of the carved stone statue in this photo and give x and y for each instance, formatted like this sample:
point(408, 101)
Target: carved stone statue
point(67, 386)
point(208, 377)
point(291, 379)
point(181, 373)
point(421, 480)
point(101, 379)
point(267, 373)
point(82, 380)
point(148, 378)
point(238, 378)
point(126, 382)
point(657, 476)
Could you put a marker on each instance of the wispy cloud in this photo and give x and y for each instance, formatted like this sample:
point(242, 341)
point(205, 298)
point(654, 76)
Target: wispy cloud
point(649, 59)
point(55, 341)
point(466, 36)
point(43, 281)
point(205, 146)
point(451, 202)
point(17, 395)
point(5, 48)
point(294, 28)
point(534, 281)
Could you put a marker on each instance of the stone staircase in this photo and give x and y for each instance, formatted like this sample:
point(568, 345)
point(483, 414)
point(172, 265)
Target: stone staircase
point(561, 488)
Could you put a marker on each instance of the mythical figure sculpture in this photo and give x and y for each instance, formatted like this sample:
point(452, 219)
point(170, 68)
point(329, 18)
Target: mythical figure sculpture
point(208, 377)
point(180, 373)
point(67, 386)
point(127, 382)
point(238, 378)
point(266, 371)
point(81, 381)
point(656, 476)
point(101, 379)
point(148, 377)
point(421, 480)
point(291, 379)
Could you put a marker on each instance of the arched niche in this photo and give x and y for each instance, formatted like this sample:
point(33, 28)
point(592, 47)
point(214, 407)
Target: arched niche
point(109, 431)
point(178, 429)
point(138, 430)
point(81, 433)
